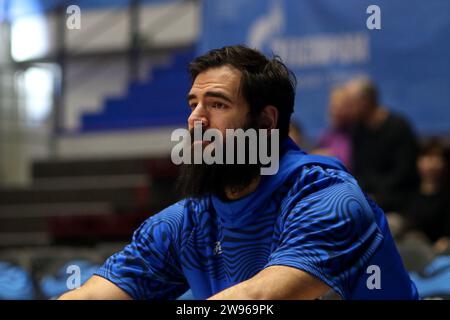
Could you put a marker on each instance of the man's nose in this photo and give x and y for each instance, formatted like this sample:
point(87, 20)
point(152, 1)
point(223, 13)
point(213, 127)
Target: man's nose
point(198, 114)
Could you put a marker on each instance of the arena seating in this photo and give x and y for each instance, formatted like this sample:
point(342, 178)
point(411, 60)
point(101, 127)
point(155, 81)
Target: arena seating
point(161, 101)
point(80, 199)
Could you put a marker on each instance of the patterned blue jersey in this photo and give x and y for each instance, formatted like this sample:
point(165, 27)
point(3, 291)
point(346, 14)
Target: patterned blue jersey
point(311, 215)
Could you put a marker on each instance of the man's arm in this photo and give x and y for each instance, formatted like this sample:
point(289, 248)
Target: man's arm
point(276, 283)
point(96, 288)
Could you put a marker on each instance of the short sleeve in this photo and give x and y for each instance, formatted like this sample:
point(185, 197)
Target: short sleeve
point(148, 268)
point(330, 233)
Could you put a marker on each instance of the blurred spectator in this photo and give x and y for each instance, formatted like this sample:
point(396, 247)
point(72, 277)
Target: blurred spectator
point(428, 210)
point(336, 140)
point(384, 148)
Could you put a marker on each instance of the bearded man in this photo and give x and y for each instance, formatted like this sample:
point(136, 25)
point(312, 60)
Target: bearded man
point(238, 234)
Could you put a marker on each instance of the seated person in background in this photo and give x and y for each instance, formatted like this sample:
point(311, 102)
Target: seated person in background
point(336, 140)
point(428, 209)
point(384, 148)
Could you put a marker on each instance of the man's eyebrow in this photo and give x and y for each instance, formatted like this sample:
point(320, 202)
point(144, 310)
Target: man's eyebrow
point(191, 96)
point(214, 94)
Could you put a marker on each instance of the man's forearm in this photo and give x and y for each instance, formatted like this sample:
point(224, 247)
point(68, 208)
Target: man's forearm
point(76, 294)
point(242, 291)
point(96, 288)
point(276, 283)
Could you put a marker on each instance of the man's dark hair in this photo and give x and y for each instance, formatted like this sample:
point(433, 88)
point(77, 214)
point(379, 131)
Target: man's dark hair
point(432, 147)
point(370, 92)
point(264, 81)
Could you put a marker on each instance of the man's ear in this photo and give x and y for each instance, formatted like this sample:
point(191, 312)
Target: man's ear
point(270, 117)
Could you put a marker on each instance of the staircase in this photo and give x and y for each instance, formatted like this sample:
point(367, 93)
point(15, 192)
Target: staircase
point(98, 199)
point(159, 102)
point(79, 201)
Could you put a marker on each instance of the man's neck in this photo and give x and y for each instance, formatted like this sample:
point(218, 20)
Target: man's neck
point(233, 195)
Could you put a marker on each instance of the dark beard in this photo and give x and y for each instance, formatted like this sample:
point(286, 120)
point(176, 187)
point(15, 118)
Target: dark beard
point(199, 180)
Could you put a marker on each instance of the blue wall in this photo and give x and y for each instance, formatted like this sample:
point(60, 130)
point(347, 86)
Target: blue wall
point(408, 57)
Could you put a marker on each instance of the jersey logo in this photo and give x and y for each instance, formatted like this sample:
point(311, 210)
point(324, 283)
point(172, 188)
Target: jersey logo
point(217, 248)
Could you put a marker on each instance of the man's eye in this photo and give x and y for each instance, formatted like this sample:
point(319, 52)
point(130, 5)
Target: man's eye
point(192, 106)
point(218, 105)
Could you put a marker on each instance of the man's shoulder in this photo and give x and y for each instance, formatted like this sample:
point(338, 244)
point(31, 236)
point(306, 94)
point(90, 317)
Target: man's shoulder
point(398, 122)
point(322, 173)
point(183, 212)
point(324, 197)
point(171, 217)
point(175, 210)
point(315, 177)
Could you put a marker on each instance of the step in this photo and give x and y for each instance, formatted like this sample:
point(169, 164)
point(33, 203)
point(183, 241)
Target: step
point(46, 210)
point(88, 167)
point(9, 239)
point(92, 182)
point(34, 196)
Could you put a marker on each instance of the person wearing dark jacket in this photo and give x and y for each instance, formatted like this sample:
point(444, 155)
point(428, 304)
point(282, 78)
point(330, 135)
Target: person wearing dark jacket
point(428, 209)
point(384, 148)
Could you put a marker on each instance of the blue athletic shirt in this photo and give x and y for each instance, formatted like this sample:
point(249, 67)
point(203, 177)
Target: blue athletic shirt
point(311, 215)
